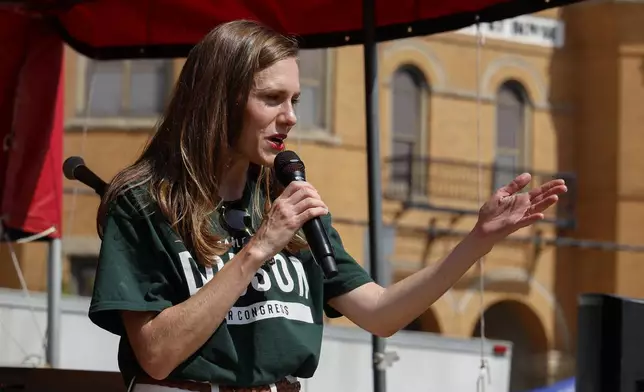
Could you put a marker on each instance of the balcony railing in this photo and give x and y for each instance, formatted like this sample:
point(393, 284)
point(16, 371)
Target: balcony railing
point(453, 186)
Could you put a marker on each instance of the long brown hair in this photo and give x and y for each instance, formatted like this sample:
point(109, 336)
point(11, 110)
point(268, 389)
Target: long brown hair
point(183, 162)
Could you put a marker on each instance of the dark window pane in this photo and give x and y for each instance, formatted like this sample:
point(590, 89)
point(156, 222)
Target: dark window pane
point(149, 84)
point(510, 132)
point(105, 84)
point(510, 113)
point(312, 110)
point(400, 168)
point(309, 110)
point(313, 64)
point(407, 104)
point(408, 87)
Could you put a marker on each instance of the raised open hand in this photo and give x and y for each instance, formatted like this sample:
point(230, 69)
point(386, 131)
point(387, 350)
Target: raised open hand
point(508, 210)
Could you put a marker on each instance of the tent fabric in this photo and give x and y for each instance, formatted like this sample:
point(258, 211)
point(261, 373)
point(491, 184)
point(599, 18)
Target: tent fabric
point(116, 29)
point(31, 126)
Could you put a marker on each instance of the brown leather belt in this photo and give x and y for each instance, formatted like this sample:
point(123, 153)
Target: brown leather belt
point(282, 385)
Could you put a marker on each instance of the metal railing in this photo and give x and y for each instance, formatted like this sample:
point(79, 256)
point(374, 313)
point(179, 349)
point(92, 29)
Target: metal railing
point(453, 186)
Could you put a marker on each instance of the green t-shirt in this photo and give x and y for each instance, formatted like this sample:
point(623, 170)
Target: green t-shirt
point(273, 330)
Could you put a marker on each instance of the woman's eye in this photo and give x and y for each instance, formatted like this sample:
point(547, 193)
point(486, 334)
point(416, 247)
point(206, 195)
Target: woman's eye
point(273, 99)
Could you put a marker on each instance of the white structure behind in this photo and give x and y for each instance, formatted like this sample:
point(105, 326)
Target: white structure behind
point(427, 362)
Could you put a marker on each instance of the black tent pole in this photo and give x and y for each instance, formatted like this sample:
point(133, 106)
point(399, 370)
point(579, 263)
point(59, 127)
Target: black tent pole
point(373, 170)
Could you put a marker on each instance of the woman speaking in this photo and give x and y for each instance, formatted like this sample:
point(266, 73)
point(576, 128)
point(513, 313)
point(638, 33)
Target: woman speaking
point(204, 272)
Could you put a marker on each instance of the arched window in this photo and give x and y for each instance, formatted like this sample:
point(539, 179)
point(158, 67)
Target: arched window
point(511, 132)
point(408, 127)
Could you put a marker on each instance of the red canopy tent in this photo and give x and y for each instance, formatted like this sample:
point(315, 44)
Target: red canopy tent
point(110, 29)
point(118, 29)
point(31, 127)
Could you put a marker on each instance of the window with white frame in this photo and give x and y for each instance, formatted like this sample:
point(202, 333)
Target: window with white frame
point(125, 88)
point(511, 132)
point(313, 109)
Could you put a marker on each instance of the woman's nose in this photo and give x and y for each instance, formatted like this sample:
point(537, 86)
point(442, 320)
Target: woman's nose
point(288, 117)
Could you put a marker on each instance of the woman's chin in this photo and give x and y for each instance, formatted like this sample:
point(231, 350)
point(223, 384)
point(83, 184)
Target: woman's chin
point(266, 158)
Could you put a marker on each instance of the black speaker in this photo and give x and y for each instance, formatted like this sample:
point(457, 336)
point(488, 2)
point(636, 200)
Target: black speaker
point(610, 344)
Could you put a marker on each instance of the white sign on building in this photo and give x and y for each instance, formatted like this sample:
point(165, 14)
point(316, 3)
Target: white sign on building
point(524, 29)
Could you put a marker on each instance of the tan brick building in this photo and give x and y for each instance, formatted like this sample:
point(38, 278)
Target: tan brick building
point(542, 100)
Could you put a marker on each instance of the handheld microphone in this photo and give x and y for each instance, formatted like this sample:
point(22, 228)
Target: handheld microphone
point(289, 167)
point(74, 169)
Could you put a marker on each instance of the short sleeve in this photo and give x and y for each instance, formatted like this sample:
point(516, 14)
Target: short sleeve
point(350, 275)
point(132, 273)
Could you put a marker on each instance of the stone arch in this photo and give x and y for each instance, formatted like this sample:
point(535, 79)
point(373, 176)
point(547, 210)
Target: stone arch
point(540, 298)
point(426, 322)
point(517, 86)
point(429, 322)
point(518, 323)
point(436, 318)
point(515, 68)
point(417, 54)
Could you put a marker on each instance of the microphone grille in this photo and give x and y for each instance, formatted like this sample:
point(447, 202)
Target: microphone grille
point(286, 163)
point(70, 165)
